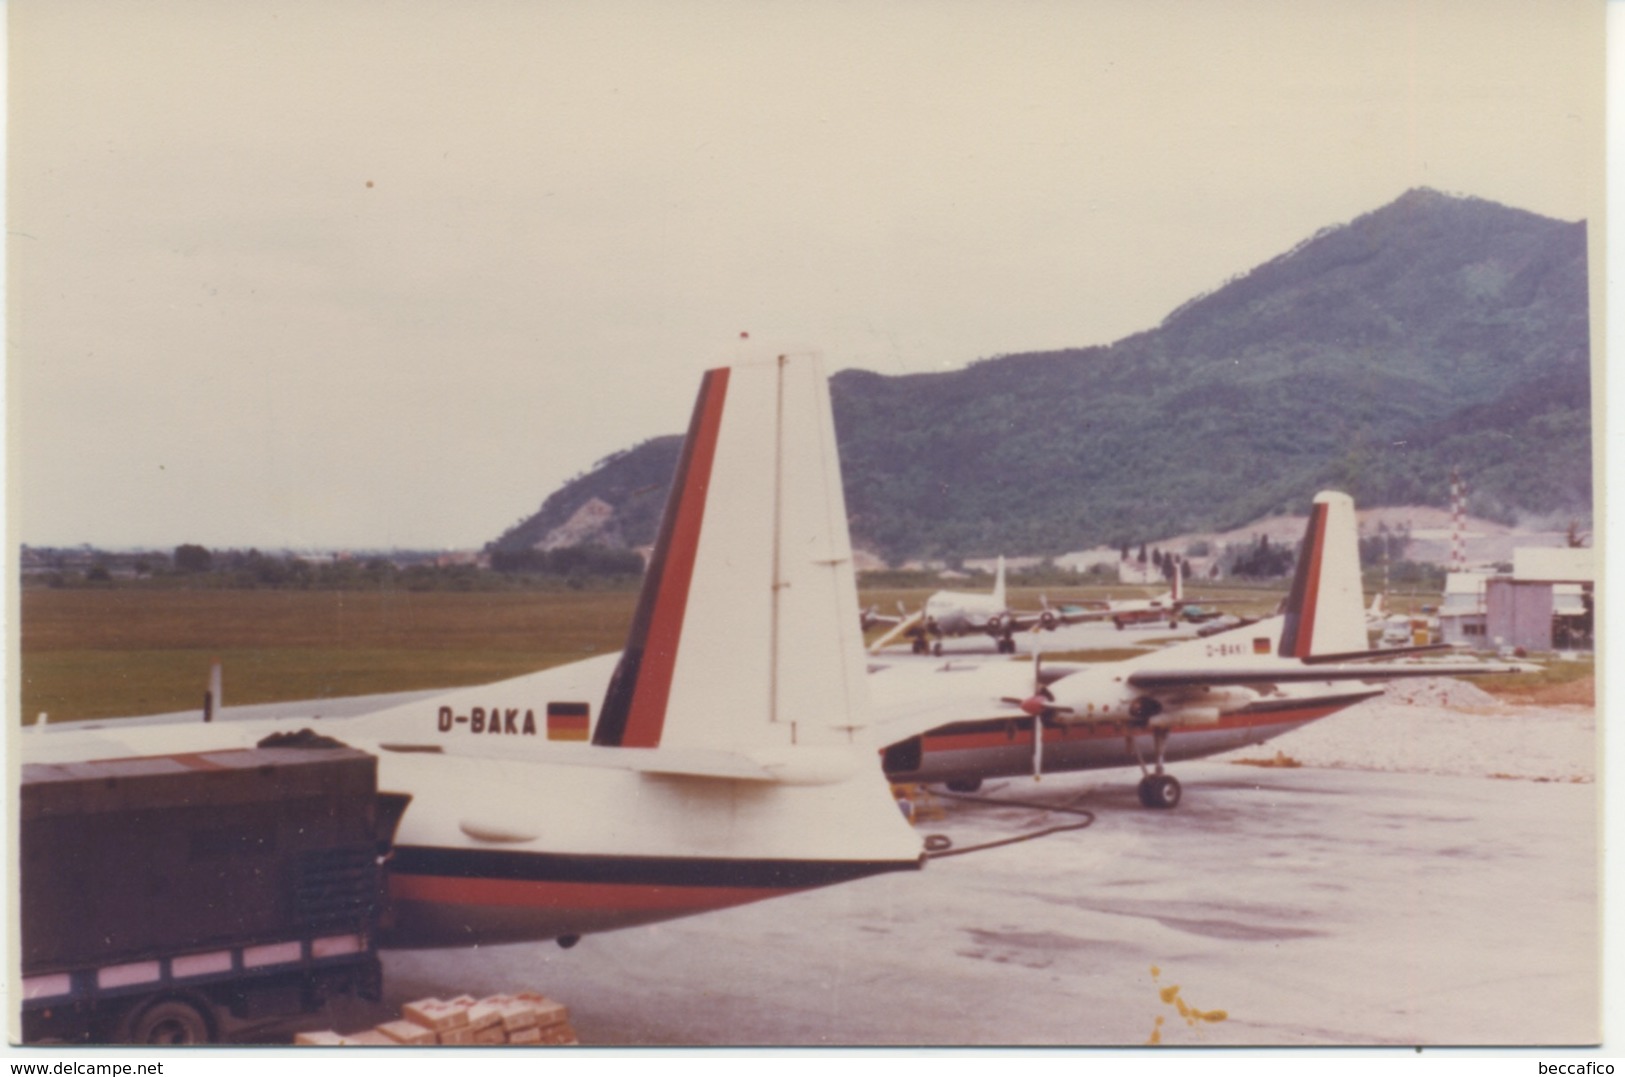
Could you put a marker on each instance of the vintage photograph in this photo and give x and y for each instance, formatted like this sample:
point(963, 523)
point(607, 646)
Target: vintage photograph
point(562, 526)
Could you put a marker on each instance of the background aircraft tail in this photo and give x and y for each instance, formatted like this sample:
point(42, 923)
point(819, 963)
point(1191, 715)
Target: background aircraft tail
point(1325, 610)
point(746, 634)
point(998, 585)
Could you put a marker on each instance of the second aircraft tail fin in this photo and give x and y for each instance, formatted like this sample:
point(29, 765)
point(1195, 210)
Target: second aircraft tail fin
point(1325, 610)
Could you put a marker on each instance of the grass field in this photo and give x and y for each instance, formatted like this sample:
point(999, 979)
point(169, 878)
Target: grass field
point(104, 653)
point(89, 654)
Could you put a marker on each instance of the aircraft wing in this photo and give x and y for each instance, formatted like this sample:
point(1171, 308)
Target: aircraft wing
point(1173, 677)
point(900, 629)
point(912, 698)
point(1053, 617)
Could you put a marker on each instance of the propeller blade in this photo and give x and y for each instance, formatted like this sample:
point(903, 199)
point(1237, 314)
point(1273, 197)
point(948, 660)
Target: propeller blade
point(899, 629)
point(1038, 746)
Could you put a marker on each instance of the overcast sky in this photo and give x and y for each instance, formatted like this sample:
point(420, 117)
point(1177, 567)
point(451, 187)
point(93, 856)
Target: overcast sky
point(369, 274)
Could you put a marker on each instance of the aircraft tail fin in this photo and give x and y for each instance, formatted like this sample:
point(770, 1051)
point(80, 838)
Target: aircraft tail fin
point(1178, 591)
point(747, 632)
point(998, 585)
point(1325, 610)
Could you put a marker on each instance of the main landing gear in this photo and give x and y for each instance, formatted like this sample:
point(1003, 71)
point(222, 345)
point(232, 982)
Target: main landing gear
point(1157, 790)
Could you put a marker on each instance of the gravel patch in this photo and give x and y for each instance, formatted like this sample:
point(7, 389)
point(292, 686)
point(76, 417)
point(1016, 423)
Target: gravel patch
point(1444, 726)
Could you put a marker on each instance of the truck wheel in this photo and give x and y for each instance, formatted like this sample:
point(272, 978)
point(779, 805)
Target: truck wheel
point(168, 1022)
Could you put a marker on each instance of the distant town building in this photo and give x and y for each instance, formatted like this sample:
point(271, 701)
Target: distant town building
point(1463, 616)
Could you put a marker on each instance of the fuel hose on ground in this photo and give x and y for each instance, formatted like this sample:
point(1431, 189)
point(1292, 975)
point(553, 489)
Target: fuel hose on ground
point(940, 846)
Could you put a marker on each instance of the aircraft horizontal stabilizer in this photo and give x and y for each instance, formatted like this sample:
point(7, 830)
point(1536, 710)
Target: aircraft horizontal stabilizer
point(797, 766)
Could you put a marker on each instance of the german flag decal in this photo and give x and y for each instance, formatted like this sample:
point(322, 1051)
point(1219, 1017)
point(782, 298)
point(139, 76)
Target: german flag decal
point(568, 721)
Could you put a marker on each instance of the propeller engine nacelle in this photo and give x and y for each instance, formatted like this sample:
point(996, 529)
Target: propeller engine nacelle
point(1090, 696)
point(1100, 696)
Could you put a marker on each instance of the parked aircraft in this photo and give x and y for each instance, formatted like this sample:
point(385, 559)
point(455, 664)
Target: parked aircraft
point(1194, 699)
point(958, 613)
point(730, 760)
point(1166, 607)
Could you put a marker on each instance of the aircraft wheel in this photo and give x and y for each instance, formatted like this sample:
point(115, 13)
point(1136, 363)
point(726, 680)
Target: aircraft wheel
point(167, 1022)
point(964, 785)
point(936, 649)
point(1159, 791)
point(920, 647)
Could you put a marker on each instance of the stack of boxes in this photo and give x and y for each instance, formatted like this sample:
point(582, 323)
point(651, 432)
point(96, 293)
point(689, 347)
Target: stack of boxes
point(524, 1018)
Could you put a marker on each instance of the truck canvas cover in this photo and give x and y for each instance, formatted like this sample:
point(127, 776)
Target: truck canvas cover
point(123, 859)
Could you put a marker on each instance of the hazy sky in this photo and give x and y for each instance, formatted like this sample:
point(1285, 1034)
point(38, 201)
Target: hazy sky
point(370, 274)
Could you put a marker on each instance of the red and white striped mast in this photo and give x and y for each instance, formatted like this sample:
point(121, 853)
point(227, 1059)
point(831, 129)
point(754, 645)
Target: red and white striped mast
point(1458, 521)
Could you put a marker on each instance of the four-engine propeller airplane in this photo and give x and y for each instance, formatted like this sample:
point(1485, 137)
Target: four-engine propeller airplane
point(960, 613)
point(1194, 699)
point(731, 758)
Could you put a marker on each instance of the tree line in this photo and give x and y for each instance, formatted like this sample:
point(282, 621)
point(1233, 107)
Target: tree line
point(192, 565)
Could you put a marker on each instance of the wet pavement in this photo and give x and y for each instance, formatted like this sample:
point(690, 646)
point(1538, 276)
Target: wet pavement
point(1275, 906)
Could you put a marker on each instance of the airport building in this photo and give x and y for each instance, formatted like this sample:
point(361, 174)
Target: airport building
point(1546, 603)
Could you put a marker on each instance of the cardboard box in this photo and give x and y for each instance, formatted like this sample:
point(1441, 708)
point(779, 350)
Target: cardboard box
point(517, 1014)
point(407, 1032)
point(483, 1015)
point(547, 1011)
point(560, 1035)
point(371, 1038)
point(435, 1014)
point(457, 1037)
point(324, 1038)
point(493, 1034)
point(525, 1035)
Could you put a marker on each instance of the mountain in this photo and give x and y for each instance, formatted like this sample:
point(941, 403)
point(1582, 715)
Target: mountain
point(1436, 331)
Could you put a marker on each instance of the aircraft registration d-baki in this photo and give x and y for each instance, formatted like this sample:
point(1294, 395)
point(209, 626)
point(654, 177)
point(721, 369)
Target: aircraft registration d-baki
point(1199, 698)
point(732, 755)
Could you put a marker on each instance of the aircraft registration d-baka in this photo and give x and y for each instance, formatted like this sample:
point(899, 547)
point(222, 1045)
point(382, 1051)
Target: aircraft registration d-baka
point(1190, 700)
point(731, 760)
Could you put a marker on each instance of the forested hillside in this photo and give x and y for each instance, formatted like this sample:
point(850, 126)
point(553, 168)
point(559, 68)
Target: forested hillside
point(1437, 330)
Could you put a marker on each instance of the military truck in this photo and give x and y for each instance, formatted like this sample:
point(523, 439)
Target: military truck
point(179, 898)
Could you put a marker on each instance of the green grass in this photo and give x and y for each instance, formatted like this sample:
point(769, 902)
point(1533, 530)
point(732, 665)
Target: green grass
point(105, 653)
point(110, 653)
point(1098, 654)
point(1555, 683)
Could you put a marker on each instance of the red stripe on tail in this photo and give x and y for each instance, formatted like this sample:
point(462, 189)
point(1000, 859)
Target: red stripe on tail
point(634, 715)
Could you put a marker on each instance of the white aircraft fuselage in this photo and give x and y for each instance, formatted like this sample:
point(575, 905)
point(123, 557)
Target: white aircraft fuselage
point(730, 755)
point(1198, 698)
